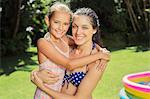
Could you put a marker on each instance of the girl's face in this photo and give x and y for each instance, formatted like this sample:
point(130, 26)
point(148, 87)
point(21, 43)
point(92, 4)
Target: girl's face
point(59, 24)
point(82, 29)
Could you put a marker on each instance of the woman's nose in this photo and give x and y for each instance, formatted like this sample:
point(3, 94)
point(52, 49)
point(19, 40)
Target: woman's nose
point(79, 31)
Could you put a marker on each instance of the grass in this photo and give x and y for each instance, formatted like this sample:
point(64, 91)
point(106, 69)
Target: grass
point(17, 84)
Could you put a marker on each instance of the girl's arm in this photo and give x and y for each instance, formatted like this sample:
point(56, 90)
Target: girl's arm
point(51, 53)
point(88, 83)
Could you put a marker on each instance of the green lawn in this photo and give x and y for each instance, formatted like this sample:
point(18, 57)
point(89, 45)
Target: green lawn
point(17, 85)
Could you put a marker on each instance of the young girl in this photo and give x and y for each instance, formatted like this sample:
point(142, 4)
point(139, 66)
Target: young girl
point(85, 25)
point(53, 49)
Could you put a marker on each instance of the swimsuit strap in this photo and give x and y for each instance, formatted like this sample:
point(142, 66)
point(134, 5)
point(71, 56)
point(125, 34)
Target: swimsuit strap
point(47, 37)
point(93, 47)
point(63, 41)
point(66, 46)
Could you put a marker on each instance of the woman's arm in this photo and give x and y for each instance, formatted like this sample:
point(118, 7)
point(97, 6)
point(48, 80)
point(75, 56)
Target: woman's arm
point(39, 83)
point(51, 53)
point(88, 83)
point(47, 76)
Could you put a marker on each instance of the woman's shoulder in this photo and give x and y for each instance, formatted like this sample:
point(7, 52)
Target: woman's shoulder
point(98, 47)
point(95, 49)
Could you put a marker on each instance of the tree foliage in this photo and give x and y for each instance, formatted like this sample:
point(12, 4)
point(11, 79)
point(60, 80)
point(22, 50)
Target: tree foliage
point(13, 38)
point(16, 16)
point(22, 22)
point(125, 21)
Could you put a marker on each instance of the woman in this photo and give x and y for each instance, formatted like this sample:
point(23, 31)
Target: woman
point(85, 25)
point(53, 50)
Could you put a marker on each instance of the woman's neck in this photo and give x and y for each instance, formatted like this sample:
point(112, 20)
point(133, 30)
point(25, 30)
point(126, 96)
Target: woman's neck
point(85, 48)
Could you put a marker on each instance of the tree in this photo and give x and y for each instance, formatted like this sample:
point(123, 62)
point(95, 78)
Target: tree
point(10, 17)
point(139, 17)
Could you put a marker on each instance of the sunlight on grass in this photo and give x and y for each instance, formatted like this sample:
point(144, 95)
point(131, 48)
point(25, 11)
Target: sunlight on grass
point(122, 63)
point(18, 86)
point(32, 49)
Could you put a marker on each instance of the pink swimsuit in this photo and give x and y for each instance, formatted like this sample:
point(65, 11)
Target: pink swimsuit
point(49, 65)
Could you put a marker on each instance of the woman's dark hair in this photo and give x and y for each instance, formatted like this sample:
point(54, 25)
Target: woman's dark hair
point(94, 21)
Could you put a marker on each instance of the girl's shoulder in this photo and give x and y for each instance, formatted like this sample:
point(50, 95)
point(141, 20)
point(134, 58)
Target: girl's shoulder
point(43, 42)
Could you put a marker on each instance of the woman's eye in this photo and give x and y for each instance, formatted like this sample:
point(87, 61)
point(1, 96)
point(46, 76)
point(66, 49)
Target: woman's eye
point(66, 23)
point(73, 26)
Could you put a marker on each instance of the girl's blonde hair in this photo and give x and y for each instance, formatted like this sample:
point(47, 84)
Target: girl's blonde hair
point(57, 6)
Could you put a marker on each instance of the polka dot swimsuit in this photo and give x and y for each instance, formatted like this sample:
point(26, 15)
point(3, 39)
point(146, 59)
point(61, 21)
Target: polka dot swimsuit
point(76, 77)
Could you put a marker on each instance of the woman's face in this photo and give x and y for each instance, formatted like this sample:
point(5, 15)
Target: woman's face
point(82, 29)
point(59, 24)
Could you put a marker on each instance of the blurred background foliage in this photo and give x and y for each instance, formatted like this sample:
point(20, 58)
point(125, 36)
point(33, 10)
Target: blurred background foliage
point(124, 23)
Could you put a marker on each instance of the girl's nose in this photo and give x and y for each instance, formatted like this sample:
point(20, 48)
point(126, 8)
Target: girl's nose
point(60, 27)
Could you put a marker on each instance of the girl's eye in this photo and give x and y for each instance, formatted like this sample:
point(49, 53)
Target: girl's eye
point(85, 27)
point(56, 22)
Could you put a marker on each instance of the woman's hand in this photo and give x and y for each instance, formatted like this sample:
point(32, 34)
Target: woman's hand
point(36, 80)
point(47, 76)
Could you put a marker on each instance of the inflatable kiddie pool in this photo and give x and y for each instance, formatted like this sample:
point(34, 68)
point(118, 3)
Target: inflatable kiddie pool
point(136, 86)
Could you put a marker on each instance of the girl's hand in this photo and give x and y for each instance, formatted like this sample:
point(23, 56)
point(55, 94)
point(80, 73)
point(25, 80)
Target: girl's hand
point(104, 60)
point(102, 65)
point(104, 54)
point(47, 76)
point(105, 57)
